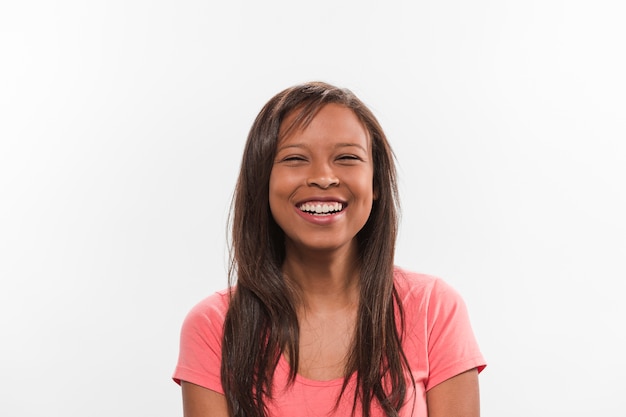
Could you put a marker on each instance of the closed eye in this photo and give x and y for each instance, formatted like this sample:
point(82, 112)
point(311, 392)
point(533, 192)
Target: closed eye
point(349, 158)
point(294, 158)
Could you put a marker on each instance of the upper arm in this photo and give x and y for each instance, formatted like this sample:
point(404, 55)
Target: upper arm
point(202, 402)
point(455, 397)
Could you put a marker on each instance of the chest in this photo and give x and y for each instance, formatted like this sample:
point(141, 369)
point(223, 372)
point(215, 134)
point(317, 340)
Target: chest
point(325, 344)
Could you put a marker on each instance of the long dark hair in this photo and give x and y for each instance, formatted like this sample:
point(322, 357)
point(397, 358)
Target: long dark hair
point(261, 321)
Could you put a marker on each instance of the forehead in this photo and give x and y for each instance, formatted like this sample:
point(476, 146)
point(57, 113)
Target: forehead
point(330, 121)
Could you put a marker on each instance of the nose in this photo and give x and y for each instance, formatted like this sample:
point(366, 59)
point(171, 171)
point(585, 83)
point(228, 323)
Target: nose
point(323, 182)
point(322, 177)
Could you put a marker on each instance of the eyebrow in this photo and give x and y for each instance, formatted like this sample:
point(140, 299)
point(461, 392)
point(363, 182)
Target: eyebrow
point(338, 145)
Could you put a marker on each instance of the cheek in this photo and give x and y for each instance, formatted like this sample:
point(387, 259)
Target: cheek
point(284, 182)
point(368, 187)
point(273, 190)
point(367, 195)
point(279, 191)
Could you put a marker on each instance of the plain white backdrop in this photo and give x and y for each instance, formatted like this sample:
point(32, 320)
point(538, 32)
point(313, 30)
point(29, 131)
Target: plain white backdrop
point(121, 129)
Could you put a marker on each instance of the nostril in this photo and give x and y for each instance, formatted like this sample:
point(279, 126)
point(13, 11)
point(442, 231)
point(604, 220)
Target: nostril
point(323, 182)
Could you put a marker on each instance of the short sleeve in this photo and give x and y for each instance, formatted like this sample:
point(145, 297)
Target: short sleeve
point(200, 356)
point(452, 347)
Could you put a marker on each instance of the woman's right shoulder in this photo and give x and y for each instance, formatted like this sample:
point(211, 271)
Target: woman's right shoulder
point(210, 310)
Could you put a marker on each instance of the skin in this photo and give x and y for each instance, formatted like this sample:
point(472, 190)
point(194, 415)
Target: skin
point(455, 397)
point(202, 402)
point(328, 161)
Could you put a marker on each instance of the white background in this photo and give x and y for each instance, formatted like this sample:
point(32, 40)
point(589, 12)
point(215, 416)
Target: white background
point(122, 124)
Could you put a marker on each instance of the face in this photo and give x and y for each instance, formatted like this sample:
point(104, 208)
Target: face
point(321, 184)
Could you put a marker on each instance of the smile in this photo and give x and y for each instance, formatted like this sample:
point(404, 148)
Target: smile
point(321, 208)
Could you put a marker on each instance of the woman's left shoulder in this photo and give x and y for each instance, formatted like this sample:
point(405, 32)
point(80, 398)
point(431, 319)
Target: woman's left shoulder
point(422, 286)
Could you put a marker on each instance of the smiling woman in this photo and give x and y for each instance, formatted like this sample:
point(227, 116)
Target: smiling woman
point(317, 320)
point(321, 184)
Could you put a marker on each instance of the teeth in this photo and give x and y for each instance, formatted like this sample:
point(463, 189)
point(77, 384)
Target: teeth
point(321, 208)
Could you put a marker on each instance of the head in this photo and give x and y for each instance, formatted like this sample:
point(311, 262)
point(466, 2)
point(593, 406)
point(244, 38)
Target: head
point(251, 202)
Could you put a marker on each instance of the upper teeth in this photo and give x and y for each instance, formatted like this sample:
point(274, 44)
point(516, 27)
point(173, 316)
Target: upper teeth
point(321, 207)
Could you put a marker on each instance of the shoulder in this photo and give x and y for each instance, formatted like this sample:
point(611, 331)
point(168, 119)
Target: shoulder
point(428, 299)
point(209, 312)
point(414, 286)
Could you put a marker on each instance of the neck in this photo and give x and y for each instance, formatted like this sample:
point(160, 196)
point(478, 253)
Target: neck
point(325, 281)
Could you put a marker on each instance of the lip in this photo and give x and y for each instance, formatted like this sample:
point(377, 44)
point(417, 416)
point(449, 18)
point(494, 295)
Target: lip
point(322, 199)
point(321, 220)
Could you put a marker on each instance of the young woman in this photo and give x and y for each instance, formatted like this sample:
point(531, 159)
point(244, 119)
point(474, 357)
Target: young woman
point(317, 320)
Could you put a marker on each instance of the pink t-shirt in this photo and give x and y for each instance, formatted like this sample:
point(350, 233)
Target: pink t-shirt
point(439, 344)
